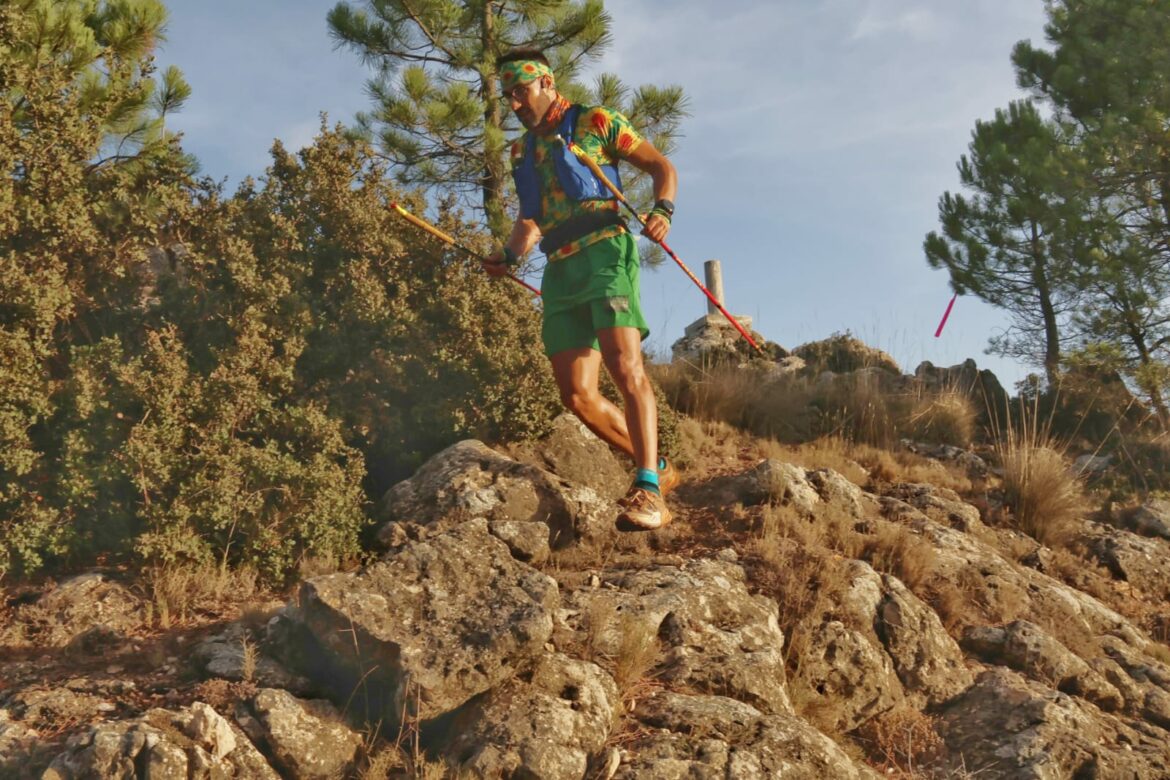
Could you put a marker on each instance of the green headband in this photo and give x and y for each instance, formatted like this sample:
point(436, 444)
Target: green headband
point(522, 72)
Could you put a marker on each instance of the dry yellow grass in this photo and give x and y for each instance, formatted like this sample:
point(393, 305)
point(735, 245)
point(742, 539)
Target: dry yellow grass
point(946, 417)
point(177, 590)
point(1046, 498)
point(903, 741)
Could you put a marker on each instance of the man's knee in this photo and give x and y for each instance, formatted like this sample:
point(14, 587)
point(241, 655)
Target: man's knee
point(580, 402)
point(629, 374)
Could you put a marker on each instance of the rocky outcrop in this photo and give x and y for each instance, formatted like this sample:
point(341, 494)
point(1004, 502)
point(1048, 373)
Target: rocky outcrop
point(306, 739)
point(1138, 560)
point(196, 742)
point(715, 636)
point(716, 736)
point(1008, 727)
point(432, 625)
point(981, 386)
point(547, 722)
point(87, 611)
point(470, 480)
point(573, 453)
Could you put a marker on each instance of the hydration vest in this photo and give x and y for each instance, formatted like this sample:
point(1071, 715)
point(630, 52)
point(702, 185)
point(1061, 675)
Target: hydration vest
point(575, 178)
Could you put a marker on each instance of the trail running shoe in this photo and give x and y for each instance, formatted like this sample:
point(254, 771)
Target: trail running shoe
point(668, 478)
point(643, 510)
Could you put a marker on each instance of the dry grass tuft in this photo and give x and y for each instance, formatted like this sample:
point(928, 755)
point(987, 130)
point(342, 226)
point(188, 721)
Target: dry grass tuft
point(1046, 498)
point(903, 740)
point(638, 652)
point(178, 590)
point(946, 417)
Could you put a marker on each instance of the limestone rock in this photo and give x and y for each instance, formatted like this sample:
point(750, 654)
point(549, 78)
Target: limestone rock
point(848, 674)
point(469, 479)
point(1140, 561)
point(86, 604)
point(940, 504)
point(1025, 647)
point(196, 743)
point(222, 655)
point(715, 636)
point(574, 453)
point(775, 481)
point(926, 658)
point(545, 723)
point(1150, 519)
point(1007, 727)
point(307, 739)
point(439, 621)
point(718, 737)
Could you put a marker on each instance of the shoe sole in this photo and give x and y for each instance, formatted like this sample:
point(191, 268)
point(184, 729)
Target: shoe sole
point(627, 525)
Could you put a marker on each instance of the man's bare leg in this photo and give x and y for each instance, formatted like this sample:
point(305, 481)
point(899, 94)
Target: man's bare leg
point(576, 374)
point(621, 348)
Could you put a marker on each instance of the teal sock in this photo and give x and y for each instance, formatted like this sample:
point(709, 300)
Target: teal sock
point(662, 464)
point(647, 479)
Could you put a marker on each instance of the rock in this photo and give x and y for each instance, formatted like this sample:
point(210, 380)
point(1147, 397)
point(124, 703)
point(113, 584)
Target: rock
point(1007, 727)
point(528, 542)
point(85, 604)
point(716, 737)
point(469, 479)
point(774, 481)
point(851, 678)
point(1092, 465)
point(839, 492)
point(16, 741)
point(974, 465)
point(1150, 519)
point(843, 354)
point(545, 723)
point(940, 504)
point(927, 660)
point(436, 623)
point(574, 453)
point(222, 655)
point(50, 708)
point(981, 386)
point(1138, 560)
point(1025, 647)
point(307, 739)
point(162, 745)
point(715, 636)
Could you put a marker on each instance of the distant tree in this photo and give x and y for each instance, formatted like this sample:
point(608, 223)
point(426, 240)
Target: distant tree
point(438, 116)
point(1108, 77)
point(1014, 241)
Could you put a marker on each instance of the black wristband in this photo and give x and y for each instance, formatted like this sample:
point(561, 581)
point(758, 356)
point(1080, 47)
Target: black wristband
point(510, 258)
point(666, 206)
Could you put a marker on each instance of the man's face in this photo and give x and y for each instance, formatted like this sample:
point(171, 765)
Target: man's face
point(530, 102)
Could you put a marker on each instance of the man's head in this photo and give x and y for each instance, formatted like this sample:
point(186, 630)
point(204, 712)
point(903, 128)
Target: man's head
point(527, 83)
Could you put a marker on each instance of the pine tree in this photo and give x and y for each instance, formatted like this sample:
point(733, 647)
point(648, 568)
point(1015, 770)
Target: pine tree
point(438, 115)
point(1108, 77)
point(1014, 242)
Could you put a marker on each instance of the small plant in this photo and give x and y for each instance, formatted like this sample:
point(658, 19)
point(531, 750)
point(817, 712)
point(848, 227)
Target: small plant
point(637, 653)
point(1046, 498)
point(945, 417)
point(248, 659)
point(903, 739)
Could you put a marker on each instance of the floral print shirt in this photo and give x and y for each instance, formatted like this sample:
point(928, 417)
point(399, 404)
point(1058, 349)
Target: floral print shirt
point(606, 136)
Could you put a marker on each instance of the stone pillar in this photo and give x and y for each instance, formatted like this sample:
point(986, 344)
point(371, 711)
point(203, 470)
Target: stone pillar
point(714, 274)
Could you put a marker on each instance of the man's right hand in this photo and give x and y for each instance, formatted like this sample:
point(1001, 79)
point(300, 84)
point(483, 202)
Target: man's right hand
point(494, 265)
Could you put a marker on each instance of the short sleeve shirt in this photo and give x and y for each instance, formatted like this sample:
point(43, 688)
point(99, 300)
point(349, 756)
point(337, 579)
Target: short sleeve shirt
point(607, 137)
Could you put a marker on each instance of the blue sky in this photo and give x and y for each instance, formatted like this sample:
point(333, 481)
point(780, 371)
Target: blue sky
point(822, 134)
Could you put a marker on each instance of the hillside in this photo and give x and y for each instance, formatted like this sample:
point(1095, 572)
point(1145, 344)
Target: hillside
point(817, 610)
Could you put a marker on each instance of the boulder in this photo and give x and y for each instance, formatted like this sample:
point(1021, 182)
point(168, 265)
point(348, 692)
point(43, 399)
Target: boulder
point(697, 736)
point(434, 624)
point(1139, 560)
point(196, 743)
point(715, 636)
point(981, 386)
point(307, 739)
point(86, 608)
point(574, 453)
point(223, 655)
point(469, 479)
point(1150, 519)
point(1005, 726)
point(547, 722)
point(942, 505)
point(926, 658)
point(773, 481)
point(1025, 647)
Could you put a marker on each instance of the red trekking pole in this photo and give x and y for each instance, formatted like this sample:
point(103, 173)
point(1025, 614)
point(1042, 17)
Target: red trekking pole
point(439, 234)
point(618, 194)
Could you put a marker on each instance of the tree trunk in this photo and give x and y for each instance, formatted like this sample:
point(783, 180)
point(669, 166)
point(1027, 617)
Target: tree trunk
point(493, 161)
point(1047, 313)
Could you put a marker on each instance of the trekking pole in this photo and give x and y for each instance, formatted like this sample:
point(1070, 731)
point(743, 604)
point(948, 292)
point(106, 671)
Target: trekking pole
point(618, 194)
point(422, 224)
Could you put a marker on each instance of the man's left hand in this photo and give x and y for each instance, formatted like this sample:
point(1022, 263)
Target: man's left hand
point(656, 228)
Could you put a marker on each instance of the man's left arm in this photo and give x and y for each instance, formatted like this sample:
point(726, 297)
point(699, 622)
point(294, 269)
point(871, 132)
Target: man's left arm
point(646, 158)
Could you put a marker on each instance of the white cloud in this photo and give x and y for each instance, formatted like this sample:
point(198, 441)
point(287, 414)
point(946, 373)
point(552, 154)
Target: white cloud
point(882, 18)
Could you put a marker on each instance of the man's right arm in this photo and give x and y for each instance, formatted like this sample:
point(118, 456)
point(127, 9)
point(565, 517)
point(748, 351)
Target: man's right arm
point(524, 236)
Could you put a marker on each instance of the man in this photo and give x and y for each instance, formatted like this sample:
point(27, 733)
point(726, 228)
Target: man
point(592, 311)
